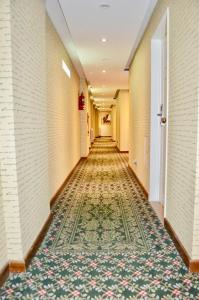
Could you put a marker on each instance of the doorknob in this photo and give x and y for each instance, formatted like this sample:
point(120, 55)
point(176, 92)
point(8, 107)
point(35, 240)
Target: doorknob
point(163, 120)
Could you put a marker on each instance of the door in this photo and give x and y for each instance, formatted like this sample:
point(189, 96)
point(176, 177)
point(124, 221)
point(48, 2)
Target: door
point(159, 112)
point(163, 120)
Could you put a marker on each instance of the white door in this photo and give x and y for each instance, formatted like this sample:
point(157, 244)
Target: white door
point(159, 115)
point(163, 120)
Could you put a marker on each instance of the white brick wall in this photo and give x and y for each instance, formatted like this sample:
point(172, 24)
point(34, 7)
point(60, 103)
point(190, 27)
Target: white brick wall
point(63, 114)
point(39, 130)
point(195, 249)
point(23, 123)
point(30, 115)
point(3, 238)
point(7, 143)
point(183, 115)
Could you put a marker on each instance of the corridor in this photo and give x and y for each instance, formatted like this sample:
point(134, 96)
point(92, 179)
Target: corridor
point(105, 241)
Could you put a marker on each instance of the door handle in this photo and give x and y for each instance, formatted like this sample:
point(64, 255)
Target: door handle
point(163, 120)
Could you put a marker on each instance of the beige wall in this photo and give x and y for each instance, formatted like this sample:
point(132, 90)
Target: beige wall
point(183, 116)
point(123, 98)
point(118, 123)
point(3, 239)
point(30, 116)
point(114, 122)
point(63, 114)
point(39, 121)
point(84, 122)
point(8, 190)
point(122, 116)
point(96, 112)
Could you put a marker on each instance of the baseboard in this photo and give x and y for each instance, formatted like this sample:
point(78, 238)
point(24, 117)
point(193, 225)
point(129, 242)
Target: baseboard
point(60, 189)
point(140, 183)
point(38, 240)
point(192, 265)
point(16, 266)
point(4, 274)
point(21, 266)
point(118, 150)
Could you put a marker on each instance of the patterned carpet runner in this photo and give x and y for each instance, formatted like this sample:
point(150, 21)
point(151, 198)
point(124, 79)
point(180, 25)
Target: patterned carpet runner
point(105, 241)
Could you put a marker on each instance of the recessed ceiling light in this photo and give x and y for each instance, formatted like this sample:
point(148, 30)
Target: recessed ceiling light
point(104, 40)
point(103, 71)
point(104, 6)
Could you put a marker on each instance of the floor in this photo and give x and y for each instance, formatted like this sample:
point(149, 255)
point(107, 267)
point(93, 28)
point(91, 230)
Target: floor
point(105, 241)
point(159, 209)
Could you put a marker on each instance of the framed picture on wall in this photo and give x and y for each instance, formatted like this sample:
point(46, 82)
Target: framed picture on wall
point(106, 119)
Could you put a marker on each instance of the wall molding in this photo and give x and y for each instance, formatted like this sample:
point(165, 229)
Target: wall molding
point(192, 265)
point(140, 183)
point(4, 274)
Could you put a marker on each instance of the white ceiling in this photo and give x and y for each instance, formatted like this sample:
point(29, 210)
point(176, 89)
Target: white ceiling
point(83, 23)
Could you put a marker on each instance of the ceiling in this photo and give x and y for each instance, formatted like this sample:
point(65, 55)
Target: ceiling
point(82, 24)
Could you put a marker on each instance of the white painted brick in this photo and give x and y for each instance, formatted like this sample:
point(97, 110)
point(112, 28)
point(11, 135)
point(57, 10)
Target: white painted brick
point(63, 114)
point(183, 115)
point(9, 208)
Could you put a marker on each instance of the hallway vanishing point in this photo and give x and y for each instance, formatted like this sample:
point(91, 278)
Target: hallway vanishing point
point(105, 241)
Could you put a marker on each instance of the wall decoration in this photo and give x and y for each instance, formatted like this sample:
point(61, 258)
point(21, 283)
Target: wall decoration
point(106, 120)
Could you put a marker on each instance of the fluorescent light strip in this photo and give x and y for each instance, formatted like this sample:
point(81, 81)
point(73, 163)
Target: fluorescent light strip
point(66, 69)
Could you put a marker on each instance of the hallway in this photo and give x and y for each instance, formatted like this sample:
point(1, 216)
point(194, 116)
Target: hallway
point(105, 241)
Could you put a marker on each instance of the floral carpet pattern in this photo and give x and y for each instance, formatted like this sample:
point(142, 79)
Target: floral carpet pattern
point(105, 241)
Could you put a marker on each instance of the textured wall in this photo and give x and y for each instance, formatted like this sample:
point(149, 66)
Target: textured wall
point(28, 45)
point(63, 114)
point(39, 122)
point(3, 239)
point(84, 121)
point(118, 123)
point(7, 143)
point(183, 115)
point(114, 122)
point(123, 111)
point(195, 249)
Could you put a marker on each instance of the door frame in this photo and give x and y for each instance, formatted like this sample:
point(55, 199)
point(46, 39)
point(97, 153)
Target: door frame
point(156, 94)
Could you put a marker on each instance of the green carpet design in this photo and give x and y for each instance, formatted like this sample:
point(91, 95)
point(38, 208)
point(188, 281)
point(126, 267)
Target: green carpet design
point(105, 241)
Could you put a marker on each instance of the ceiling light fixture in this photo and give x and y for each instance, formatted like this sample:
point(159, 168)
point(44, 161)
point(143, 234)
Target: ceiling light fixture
point(104, 40)
point(104, 6)
point(66, 69)
point(103, 71)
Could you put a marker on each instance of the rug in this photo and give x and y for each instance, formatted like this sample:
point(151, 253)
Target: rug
point(105, 241)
